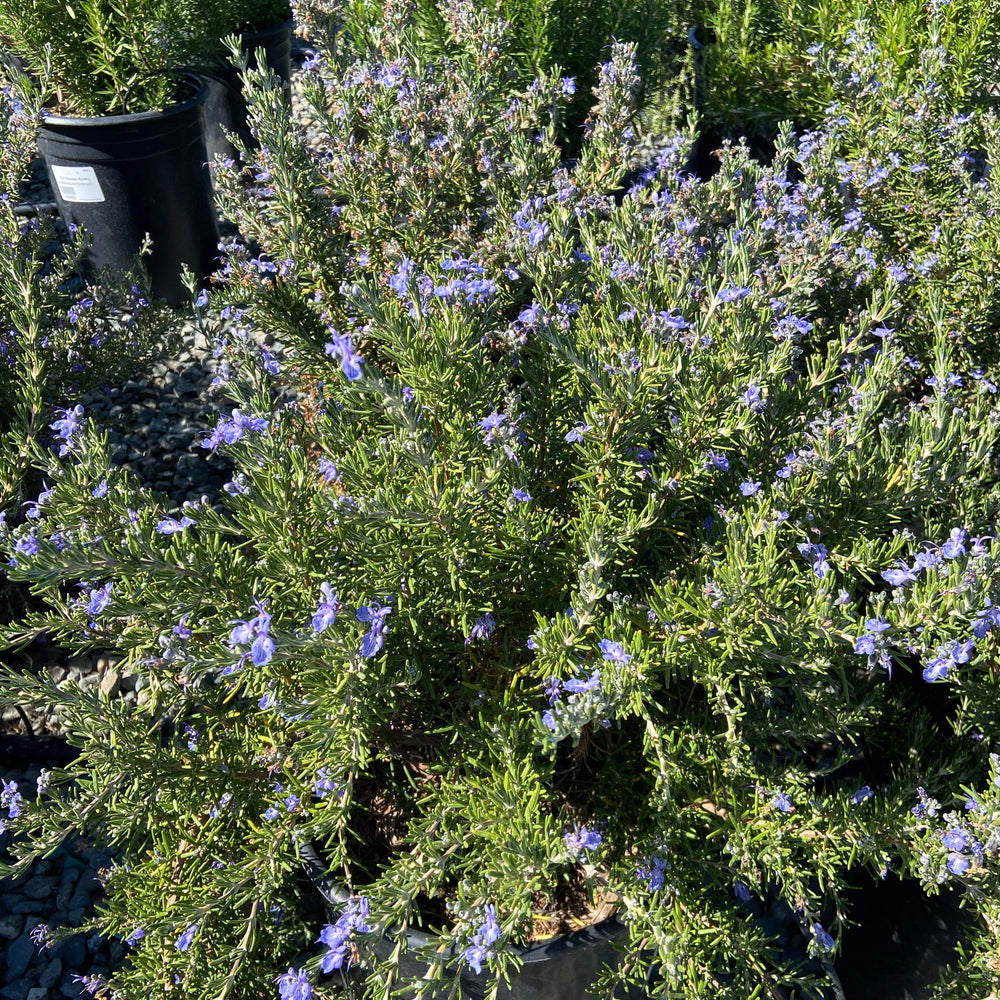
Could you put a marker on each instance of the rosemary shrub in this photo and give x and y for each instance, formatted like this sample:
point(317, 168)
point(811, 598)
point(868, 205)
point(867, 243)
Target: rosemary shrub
point(639, 539)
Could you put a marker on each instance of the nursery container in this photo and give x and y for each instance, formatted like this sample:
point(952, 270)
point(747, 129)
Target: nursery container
point(226, 107)
point(565, 966)
point(121, 177)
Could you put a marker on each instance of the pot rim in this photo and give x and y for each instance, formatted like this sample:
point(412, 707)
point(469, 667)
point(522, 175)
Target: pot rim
point(335, 894)
point(191, 81)
point(247, 38)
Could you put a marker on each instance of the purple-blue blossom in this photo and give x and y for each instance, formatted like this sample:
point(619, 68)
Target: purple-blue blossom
point(375, 615)
point(614, 651)
point(326, 614)
point(581, 839)
point(782, 802)
point(256, 631)
point(863, 793)
point(822, 938)
point(341, 346)
point(337, 936)
point(748, 489)
point(817, 556)
point(294, 985)
point(955, 839)
point(324, 784)
point(958, 864)
point(231, 429)
point(578, 685)
point(523, 496)
point(955, 545)
point(946, 656)
point(171, 526)
point(487, 934)
point(490, 425)
point(66, 428)
point(900, 575)
point(184, 941)
point(97, 599)
point(11, 798)
point(482, 628)
point(653, 871)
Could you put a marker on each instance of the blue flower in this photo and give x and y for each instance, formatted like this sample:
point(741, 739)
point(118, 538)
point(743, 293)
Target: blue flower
point(98, 599)
point(958, 864)
point(730, 293)
point(822, 938)
point(483, 940)
point(11, 798)
point(522, 495)
point(490, 425)
point(341, 346)
point(256, 632)
point(326, 614)
point(864, 792)
point(329, 471)
point(955, 546)
point(817, 555)
point(614, 651)
point(748, 489)
point(67, 427)
point(135, 937)
point(324, 784)
point(752, 399)
point(294, 985)
point(581, 839)
point(552, 688)
point(986, 619)
point(741, 891)
point(375, 615)
point(577, 685)
point(947, 656)
point(171, 526)
point(337, 936)
point(653, 872)
point(184, 941)
point(482, 628)
point(900, 575)
point(782, 802)
point(576, 433)
point(955, 839)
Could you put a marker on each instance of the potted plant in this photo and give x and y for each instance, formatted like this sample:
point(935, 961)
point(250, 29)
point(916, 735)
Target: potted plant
point(122, 136)
point(582, 554)
point(264, 30)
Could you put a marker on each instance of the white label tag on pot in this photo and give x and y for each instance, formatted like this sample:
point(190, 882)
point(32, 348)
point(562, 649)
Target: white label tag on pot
point(78, 184)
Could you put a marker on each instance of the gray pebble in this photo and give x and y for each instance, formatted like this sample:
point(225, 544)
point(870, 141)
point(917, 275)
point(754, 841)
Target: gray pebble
point(39, 887)
point(52, 974)
point(10, 926)
point(72, 951)
point(19, 955)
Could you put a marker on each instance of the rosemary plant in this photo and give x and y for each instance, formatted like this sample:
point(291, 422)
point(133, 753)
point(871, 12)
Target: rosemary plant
point(633, 538)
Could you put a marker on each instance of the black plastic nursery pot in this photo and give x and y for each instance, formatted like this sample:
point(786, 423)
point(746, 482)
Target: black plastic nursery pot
point(564, 967)
point(226, 107)
point(123, 177)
